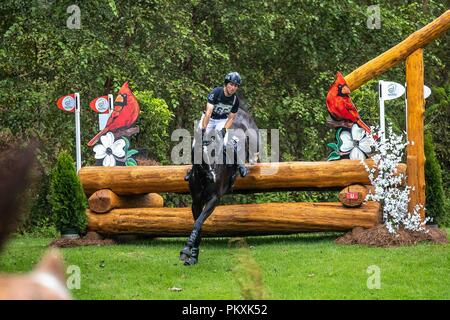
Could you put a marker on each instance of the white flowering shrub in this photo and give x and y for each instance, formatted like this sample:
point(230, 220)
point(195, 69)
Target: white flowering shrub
point(387, 183)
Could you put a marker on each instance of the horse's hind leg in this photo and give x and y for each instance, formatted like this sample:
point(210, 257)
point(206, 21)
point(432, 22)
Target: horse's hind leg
point(185, 253)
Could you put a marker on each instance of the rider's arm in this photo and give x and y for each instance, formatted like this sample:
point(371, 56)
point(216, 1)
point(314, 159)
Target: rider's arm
point(230, 120)
point(209, 110)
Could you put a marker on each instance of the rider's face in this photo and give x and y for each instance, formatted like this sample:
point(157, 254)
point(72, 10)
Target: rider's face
point(231, 88)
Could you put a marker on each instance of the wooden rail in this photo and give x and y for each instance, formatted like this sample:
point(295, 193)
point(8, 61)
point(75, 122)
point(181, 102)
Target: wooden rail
point(398, 53)
point(262, 177)
point(232, 220)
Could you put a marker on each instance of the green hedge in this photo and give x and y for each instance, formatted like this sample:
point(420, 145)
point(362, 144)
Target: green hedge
point(67, 199)
point(434, 188)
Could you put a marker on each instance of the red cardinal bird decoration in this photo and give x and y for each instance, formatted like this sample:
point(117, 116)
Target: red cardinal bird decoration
point(339, 104)
point(124, 115)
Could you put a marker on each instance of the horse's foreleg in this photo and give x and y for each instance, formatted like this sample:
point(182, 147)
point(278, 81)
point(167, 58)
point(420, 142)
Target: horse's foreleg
point(195, 252)
point(185, 253)
point(195, 237)
point(206, 212)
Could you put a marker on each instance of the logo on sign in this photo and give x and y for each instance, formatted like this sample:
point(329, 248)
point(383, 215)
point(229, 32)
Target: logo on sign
point(352, 195)
point(102, 105)
point(392, 89)
point(68, 103)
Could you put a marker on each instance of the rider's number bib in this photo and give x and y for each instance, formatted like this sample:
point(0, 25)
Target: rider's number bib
point(221, 109)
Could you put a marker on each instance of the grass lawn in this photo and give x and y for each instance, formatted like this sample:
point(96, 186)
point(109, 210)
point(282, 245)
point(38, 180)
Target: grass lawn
point(303, 266)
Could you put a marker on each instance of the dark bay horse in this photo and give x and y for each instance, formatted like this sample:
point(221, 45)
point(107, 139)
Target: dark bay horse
point(206, 192)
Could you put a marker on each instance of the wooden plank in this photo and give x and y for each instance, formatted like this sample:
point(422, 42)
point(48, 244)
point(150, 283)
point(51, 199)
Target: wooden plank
point(261, 177)
point(237, 220)
point(415, 129)
point(400, 52)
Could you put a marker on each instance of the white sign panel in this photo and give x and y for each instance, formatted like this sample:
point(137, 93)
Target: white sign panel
point(391, 90)
point(102, 120)
point(426, 92)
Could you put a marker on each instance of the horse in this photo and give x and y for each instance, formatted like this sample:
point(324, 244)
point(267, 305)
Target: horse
point(47, 280)
point(206, 192)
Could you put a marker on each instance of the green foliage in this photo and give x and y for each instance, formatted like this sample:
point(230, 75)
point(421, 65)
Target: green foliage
point(154, 124)
point(40, 220)
point(66, 196)
point(437, 121)
point(434, 189)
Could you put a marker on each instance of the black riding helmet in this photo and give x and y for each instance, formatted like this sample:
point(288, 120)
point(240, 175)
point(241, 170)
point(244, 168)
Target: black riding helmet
point(233, 77)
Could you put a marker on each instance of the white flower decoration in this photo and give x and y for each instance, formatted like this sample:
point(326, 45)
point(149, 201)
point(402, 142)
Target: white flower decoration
point(357, 143)
point(109, 150)
point(387, 181)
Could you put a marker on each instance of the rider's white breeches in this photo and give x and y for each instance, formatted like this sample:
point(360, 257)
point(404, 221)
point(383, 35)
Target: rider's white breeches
point(213, 124)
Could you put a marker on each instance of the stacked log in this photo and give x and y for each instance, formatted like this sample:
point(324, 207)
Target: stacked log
point(234, 220)
point(354, 195)
point(320, 175)
point(105, 200)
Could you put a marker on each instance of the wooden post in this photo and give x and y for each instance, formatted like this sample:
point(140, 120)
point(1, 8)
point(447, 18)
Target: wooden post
point(415, 129)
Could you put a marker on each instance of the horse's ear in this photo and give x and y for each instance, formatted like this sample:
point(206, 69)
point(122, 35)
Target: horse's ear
point(14, 175)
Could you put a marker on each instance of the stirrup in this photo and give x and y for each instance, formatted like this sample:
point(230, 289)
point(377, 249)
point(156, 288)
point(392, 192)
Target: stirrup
point(210, 175)
point(243, 171)
point(188, 175)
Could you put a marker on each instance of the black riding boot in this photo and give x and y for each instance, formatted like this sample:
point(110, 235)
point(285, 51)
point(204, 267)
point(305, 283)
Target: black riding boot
point(210, 174)
point(189, 173)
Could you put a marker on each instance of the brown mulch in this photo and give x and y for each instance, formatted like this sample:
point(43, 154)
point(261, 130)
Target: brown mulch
point(90, 239)
point(379, 236)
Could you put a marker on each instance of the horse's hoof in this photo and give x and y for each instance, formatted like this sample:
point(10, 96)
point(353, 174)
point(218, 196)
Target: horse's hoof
point(190, 262)
point(185, 254)
point(184, 257)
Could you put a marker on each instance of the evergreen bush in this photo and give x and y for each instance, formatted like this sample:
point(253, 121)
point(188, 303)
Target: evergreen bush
point(66, 196)
point(434, 189)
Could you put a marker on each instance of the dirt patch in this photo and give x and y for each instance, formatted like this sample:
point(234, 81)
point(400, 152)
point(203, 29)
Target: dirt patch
point(379, 236)
point(90, 239)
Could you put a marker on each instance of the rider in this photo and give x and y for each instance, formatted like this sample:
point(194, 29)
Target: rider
point(221, 110)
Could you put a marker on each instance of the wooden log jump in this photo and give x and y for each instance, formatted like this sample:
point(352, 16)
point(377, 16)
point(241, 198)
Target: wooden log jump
point(233, 220)
point(333, 175)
